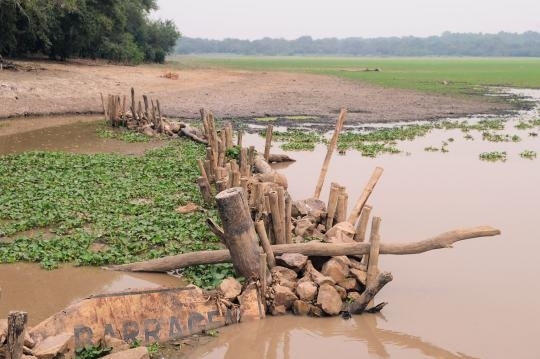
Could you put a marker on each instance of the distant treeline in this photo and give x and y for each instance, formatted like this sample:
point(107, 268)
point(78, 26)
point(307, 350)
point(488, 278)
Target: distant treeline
point(447, 44)
point(118, 30)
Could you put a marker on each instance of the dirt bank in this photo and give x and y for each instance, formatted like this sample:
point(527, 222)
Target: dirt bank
point(55, 88)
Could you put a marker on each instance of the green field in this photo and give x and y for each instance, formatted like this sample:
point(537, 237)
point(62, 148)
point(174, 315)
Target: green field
point(440, 75)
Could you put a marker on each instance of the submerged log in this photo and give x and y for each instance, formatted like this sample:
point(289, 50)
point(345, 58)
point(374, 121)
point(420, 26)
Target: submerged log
point(280, 158)
point(313, 248)
point(359, 305)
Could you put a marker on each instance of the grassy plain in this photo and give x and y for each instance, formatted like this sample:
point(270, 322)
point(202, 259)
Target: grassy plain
point(431, 74)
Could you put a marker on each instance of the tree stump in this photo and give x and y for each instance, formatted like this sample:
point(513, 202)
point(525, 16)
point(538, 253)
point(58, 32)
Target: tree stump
point(15, 334)
point(239, 231)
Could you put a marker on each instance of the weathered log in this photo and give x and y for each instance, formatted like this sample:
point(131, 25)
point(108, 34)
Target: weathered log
point(313, 248)
point(206, 191)
point(276, 217)
point(359, 305)
point(189, 132)
point(239, 232)
point(329, 151)
point(15, 334)
point(273, 157)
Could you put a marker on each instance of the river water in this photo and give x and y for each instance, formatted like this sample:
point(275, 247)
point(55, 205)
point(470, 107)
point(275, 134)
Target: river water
point(477, 300)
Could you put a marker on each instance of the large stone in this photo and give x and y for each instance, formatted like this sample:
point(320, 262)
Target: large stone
point(342, 232)
point(317, 277)
point(357, 264)
point(306, 290)
point(283, 296)
point(336, 269)
point(304, 227)
point(311, 206)
point(329, 299)
point(289, 284)
point(294, 261)
point(360, 275)
point(300, 307)
point(349, 284)
point(230, 287)
point(278, 310)
point(50, 347)
point(281, 273)
point(135, 353)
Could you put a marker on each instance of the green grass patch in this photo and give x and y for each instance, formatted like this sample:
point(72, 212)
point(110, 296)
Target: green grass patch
point(125, 203)
point(438, 75)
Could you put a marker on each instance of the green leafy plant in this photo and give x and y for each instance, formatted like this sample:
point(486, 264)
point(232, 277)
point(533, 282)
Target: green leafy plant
point(493, 156)
point(528, 154)
point(92, 352)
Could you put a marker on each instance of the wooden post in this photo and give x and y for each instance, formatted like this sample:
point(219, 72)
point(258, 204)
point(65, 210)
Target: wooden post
point(332, 204)
point(133, 111)
point(360, 234)
point(276, 217)
point(15, 334)
point(239, 231)
point(262, 276)
point(329, 151)
point(268, 142)
point(265, 243)
point(373, 259)
point(281, 206)
point(377, 173)
point(288, 219)
point(239, 138)
point(205, 189)
point(341, 211)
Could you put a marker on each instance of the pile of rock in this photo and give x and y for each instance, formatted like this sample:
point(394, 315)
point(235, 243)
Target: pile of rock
point(298, 286)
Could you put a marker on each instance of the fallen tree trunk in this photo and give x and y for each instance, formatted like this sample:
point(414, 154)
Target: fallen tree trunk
point(313, 248)
point(359, 305)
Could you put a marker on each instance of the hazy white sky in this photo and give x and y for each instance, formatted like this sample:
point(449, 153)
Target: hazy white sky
point(252, 19)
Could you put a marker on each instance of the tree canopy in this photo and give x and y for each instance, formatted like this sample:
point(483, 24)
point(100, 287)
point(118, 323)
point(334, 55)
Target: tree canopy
point(447, 44)
point(118, 30)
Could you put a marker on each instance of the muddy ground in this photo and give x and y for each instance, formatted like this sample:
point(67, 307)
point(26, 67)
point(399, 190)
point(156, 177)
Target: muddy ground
point(74, 87)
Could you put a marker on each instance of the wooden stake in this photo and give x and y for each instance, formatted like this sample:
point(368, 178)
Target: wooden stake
point(104, 108)
point(281, 206)
point(204, 187)
point(268, 142)
point(360, 234)
point(276, 217)
point(15, 334)
point(341, 211)
point(288, 219)
point(265, 243)
point(239, 232)
point(332, 204)
point(262, 276)
point(329, 151)
point(228, 135)
point(377, 173)
point(373, 259)
point(239, 138)
point(133, 112)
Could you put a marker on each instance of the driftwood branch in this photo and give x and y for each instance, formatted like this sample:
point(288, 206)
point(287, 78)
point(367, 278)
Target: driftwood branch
point(313, 248)
point(359, 305)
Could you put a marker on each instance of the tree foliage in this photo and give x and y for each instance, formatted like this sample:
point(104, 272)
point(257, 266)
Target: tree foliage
point(118, 30)
point(447, 44)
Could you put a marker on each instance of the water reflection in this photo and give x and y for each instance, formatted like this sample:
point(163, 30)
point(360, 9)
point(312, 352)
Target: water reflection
point(291, 337)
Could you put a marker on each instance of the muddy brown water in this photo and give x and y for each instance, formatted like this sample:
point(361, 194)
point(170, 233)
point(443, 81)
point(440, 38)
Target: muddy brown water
point(477, 300)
